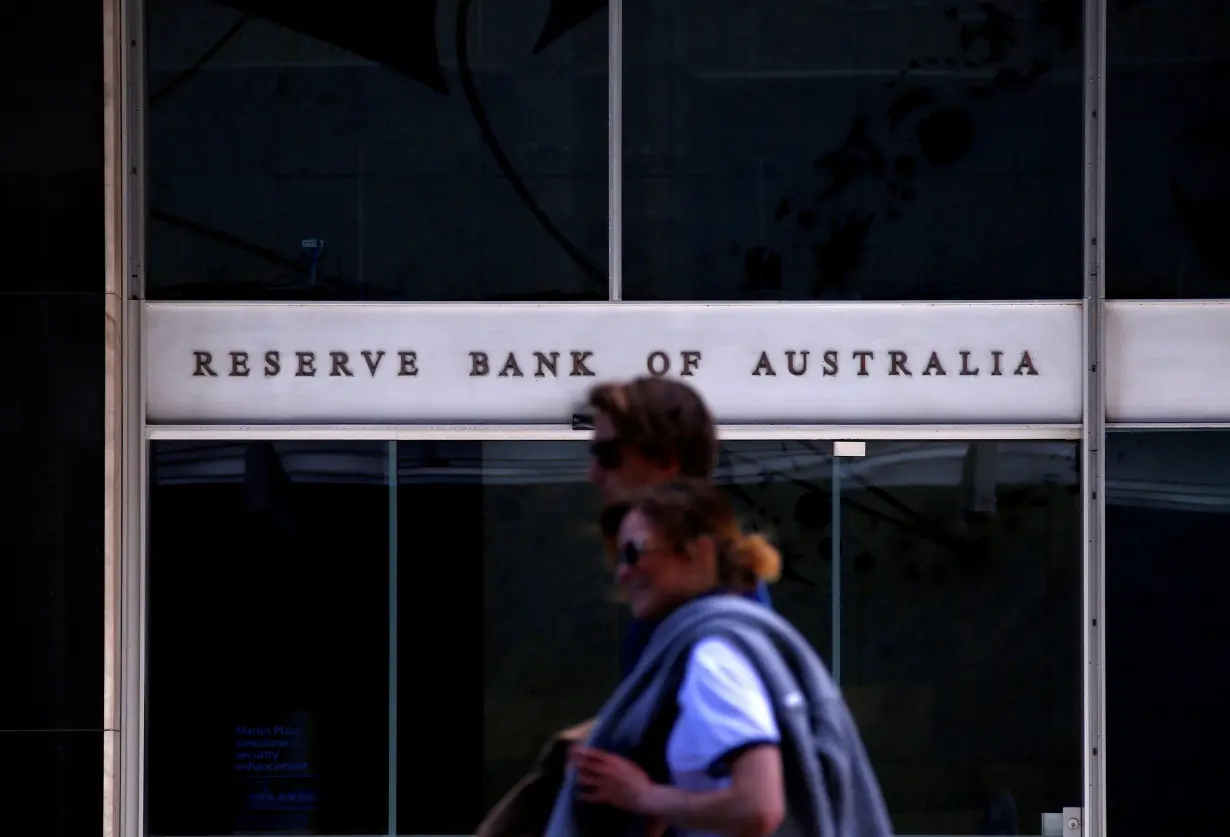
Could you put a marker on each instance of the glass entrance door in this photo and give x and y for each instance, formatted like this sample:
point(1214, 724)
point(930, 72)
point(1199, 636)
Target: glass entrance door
point(376, 637)
point(941, 582)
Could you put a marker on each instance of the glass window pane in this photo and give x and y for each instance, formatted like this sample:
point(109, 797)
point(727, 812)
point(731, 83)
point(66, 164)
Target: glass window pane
point(784, 489)
point(1167, 149)
point(520, 556)
point(506, 609)
point(268, 638)
point(430, 151)
point(1167, 526)
point(960, 644)
point(795, 150)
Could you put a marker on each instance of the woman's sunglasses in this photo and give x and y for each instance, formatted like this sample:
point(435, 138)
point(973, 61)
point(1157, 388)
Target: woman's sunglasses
point(631, 553)
point(608, 453)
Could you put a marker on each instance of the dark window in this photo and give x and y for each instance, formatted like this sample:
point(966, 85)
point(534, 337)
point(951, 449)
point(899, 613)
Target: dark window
point(1167, 149)
point(1167, 628)
point(268, 644)
point(795, 150)
point(508, 628)
point(424, 151)
point(445, 620)
point(956, 634)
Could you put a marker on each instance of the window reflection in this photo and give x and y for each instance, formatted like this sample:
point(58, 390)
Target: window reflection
point(268, 638)
point(1167, 149)
point(441, 151)
point(507, 607)
point(960, 646)
point(852, 150)
point(1167, 525)
point(272, 620)
point(956, 637)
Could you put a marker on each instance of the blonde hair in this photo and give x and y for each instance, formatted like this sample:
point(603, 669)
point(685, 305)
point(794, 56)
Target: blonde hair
point(684, 510)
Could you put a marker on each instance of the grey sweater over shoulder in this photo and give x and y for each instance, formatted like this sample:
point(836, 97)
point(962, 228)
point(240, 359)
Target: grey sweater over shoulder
point(831, 789)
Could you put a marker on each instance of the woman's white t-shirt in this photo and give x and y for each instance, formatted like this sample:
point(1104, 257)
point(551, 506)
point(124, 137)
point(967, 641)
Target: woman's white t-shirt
point(723, 710)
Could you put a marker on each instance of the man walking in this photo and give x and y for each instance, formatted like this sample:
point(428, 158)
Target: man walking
point(649, 431)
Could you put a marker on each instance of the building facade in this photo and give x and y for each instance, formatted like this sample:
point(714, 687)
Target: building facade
point(951, 275)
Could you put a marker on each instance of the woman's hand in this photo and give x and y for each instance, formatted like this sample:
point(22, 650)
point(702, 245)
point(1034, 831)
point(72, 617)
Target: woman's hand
point(610, 779)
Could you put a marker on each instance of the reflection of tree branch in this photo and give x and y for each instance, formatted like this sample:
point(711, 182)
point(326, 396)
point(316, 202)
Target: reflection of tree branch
point(563, 17)
point(501, 159)
point(789, 571)
point(888, 498)
point(252, 249)
point(208, 55)
point(921, 527)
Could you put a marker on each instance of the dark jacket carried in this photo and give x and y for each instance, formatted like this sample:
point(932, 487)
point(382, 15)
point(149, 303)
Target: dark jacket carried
point(831, 789)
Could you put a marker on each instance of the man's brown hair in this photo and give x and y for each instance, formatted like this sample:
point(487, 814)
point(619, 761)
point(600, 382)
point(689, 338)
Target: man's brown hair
point(665, 420)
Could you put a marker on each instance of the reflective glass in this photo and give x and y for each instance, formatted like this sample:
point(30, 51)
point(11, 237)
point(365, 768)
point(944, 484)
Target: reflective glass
point(344, 635)
point(426, 151)
point(845, 150)
point(268, 638)
point(1167, 627)
point(1167, 149)
point(508, 630)
point(960, 641)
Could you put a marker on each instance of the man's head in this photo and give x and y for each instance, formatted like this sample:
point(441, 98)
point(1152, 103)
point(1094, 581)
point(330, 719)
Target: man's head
point(647, 431)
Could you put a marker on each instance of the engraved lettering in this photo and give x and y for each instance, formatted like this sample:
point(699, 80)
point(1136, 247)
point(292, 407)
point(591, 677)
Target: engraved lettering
point(802, 367)
point(1026, 363)
point(546, 363)
point(691, 362)
point(965, 368)
point(478, 364)
point(934, 367)
point(273, 363)
point(373, 363)
point(897, 359)
point(307, 365)
point(409, 364)
point(203, 369)
point(340, 367)
point(862, 356)
point(658, 363)
point(239, 365)
point(511, 369)
point(996, 367)
point(579, 369)
point(763, 367)
point(830, 363)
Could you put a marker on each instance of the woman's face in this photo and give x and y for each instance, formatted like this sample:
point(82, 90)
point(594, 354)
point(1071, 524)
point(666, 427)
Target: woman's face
point(656, 578)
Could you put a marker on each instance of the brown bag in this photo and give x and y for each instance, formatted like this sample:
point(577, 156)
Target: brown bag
point(526, 808)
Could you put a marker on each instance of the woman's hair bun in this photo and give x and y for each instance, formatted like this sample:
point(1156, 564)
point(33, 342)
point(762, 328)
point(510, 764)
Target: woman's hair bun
point(755, 554)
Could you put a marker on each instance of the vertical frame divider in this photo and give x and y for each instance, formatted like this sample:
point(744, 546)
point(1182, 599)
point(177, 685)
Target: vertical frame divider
point(835, 547)
point(615, 149)
point(126, 456)
point(1093, 427)
point(392, 477)
point(115, 425)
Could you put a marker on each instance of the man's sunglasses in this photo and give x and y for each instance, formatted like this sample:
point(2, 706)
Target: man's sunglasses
point(608, 453)
point(631, 552)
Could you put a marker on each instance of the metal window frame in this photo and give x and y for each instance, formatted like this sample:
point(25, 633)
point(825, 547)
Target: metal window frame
point(563, 432)
point(125, 628)
point(1093, 442)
